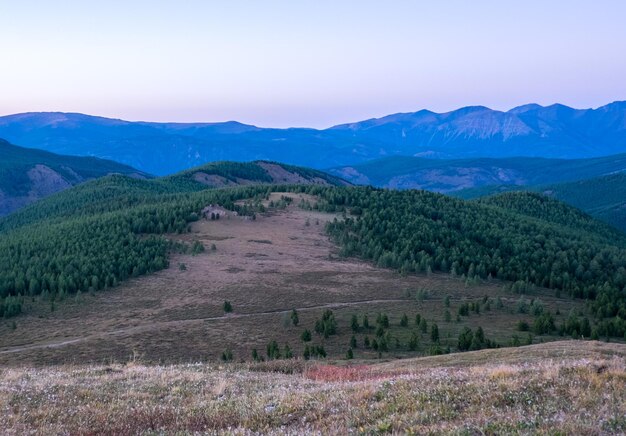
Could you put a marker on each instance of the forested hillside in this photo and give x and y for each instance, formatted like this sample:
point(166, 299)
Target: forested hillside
point(26, 175)
point(76, 242)
point(452, 175)
point(601, 197)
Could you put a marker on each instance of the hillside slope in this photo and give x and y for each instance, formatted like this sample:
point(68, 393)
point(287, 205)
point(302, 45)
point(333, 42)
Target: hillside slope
point(555, 131)
point(603, 197)
point(27, 175)
point(447, 176)
point(229, 174)
point(569, 387)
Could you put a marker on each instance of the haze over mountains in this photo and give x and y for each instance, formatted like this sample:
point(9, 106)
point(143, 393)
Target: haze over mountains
point(555, 131)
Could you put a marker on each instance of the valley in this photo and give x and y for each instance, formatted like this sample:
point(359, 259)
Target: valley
point(282, 260)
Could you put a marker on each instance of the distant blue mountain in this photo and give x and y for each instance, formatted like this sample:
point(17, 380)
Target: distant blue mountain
point(555, 131)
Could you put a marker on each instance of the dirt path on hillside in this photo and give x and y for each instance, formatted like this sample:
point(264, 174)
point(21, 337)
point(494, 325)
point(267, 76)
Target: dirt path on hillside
point(156, 325)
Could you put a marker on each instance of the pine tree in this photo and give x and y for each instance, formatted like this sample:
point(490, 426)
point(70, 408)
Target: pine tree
point(349, 354)
point(353, 343)
point(413, 342)
point(294, 317)
point(404, 321)
point(434, 333)
point(354, 324)
point(306, 335)
point(287, 353)
point(227, 306)
point(423, 326)
point(307, 353)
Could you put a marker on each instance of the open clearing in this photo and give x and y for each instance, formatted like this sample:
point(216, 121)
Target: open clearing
point(566, 387)
point(265, 268)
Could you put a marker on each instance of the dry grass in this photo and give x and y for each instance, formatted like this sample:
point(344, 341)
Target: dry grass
point(561, 388)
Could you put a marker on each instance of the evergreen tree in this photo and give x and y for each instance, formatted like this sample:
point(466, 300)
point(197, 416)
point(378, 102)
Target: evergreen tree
point(404, 321)
point(306, 335)
point(294, 317)
point(354, 323)
point(287, 353)
point(307, 353)
point(353, 343)
point(434, 333)
point(413, 342)
point(227, 306)
point(423, 326)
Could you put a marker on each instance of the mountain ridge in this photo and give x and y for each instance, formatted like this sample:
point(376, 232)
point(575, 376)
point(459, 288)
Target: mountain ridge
point(27, 175)
point(532, 130)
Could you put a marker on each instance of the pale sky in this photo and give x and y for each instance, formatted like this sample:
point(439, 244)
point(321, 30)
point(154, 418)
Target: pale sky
point(306, 63)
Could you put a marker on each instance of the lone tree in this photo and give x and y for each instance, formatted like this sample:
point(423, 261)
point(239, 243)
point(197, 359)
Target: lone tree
point(366, 342)
point(423, 326)
point(354, 324)
point(273, 352)
point(413, 342)
point(287, 352)
point(294, 317)
point(349, 354)
point(404, 321)
point(353, 342)
point(306, 335)
point(434, 333)
point(227, 307)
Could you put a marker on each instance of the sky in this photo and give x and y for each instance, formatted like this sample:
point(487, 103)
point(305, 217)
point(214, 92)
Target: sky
point(306, 63)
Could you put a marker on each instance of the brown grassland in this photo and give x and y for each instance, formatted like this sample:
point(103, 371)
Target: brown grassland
point(567, 387)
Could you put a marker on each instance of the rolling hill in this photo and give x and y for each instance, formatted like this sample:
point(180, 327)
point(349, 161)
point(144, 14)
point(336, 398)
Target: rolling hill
point(27, 175)
point(602, 197)
point(555, 131)
point(451, 175)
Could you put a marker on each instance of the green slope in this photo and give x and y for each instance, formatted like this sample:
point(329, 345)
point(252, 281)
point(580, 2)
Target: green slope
point(603, 198)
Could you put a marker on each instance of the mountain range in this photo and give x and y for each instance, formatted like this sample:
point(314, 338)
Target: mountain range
point(555, 131)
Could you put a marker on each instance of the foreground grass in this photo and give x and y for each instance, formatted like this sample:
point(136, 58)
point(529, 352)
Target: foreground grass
point(570, 387)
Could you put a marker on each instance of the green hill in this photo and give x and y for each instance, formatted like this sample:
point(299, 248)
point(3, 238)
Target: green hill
point(603, 198)
point(27, 175)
